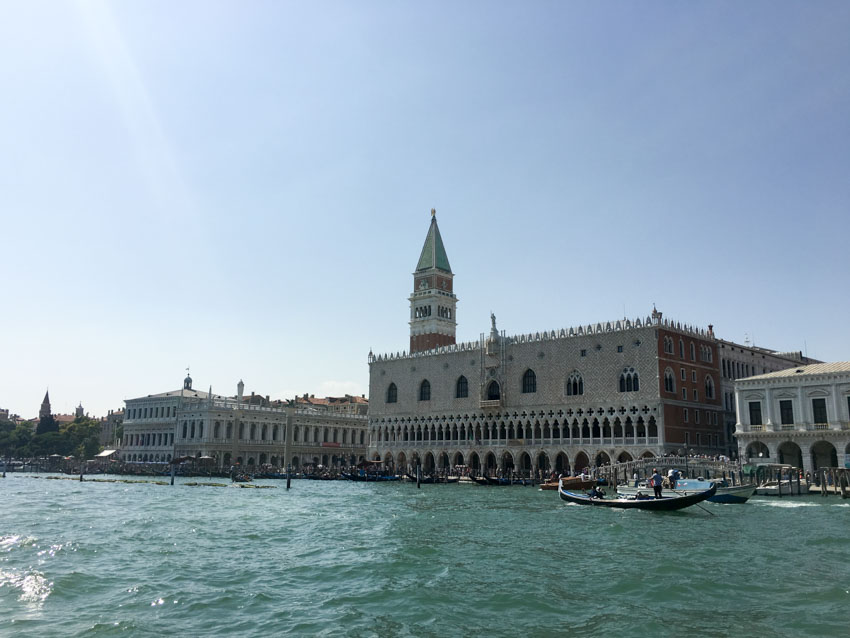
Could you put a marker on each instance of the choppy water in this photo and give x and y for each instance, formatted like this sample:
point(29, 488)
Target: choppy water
point(336, 558)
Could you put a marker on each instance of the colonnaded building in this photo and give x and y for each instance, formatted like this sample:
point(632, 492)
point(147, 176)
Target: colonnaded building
point(248, 430)
point(799, 416)
point(560, 400)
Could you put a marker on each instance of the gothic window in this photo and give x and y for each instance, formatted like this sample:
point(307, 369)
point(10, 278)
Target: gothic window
point(461, 388)
point(693, 352)
point(575, 384)
point(709, 388)
point(392, 394)
point(681, 348)
point(669, 381)
point(425, 391)
point(668, 345)
point(493, 391)
point(529, 382)
point(629, 380)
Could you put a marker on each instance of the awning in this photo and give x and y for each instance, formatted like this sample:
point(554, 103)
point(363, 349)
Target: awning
point(106, 453)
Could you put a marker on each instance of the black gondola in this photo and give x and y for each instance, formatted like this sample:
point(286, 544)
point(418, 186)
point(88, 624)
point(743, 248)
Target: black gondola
point(663, 504)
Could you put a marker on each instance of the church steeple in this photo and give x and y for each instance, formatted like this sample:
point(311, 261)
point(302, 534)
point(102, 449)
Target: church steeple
point(433, 302)
point(45, 406)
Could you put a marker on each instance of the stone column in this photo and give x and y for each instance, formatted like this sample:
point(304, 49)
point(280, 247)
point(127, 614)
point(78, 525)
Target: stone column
point(739, 410)
point(805, 450)
point(768, 404)
point(804, 412)
point(835, 423)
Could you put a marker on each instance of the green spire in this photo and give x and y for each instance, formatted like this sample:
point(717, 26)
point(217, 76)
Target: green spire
point(433, 252)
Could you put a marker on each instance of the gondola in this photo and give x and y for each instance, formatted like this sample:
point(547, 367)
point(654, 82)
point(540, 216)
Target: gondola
point(663, 504)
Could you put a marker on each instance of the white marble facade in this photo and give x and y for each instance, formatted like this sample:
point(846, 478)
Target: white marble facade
point(799, 416)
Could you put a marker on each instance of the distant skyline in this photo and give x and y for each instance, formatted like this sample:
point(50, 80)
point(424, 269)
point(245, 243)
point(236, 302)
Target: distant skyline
point(245, 188)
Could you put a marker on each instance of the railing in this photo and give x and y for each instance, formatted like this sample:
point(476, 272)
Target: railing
point(490, 404)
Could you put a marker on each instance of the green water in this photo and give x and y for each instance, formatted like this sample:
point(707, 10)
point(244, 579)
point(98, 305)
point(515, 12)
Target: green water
point(354, 559)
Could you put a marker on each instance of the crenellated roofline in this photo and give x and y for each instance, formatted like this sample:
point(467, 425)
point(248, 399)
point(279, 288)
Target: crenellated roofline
point(564, 333)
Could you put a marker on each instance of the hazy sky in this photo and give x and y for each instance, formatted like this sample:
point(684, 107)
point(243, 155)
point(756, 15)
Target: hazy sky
point(245, 187)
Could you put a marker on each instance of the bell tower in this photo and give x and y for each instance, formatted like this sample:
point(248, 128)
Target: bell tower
point(433, 302)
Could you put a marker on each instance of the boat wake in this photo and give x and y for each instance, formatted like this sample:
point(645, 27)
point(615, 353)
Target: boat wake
point(784, 504)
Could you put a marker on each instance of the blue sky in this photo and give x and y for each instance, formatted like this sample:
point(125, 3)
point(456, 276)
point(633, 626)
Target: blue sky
point(245, 187)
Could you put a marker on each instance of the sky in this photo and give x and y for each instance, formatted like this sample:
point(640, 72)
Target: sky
point(244, 188)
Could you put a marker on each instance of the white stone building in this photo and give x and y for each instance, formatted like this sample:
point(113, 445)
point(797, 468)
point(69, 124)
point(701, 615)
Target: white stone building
point(243, 430)
point(799, 416)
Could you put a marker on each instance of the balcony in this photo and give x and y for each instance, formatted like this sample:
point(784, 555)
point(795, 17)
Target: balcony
point(490, 404)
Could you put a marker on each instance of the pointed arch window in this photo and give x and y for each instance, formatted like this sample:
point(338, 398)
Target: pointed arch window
point(494, 392)
point(529, 382)
point(461, 388)
point(629, 380)
point(681, 348)
point(425, 390)
point(392, 393)
point(709, 387)
point(575, 384)
point(693, 352)
point(669, 380)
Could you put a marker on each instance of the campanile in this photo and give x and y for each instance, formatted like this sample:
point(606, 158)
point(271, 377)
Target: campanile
point(433, 302)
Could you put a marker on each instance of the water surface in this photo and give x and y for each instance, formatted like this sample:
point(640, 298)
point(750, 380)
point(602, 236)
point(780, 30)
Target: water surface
point(355, 559)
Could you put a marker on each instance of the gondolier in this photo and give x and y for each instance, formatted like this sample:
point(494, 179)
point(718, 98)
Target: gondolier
point(656, 481)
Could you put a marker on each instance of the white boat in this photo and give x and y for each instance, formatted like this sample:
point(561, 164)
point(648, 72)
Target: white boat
point(725, 493)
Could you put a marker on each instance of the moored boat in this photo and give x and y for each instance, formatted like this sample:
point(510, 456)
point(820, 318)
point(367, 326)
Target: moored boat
point(663, 504)
point(370, 478)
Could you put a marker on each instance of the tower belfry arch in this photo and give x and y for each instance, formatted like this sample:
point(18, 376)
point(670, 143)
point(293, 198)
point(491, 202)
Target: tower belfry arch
point(433, 303)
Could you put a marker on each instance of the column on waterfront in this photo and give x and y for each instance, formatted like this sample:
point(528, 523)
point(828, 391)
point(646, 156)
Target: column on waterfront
point(739, 410)
point(806, 452)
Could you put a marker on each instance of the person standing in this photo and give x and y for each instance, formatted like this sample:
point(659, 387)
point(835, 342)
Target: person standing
point(656, 480)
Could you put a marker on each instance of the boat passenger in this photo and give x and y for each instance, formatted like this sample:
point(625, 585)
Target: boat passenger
point(640, 496)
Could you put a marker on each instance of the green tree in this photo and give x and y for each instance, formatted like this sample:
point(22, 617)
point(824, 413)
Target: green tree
point(83, 436)
point(47, 424)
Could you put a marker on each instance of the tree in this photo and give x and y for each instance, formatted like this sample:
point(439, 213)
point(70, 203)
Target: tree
point(47, 424)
